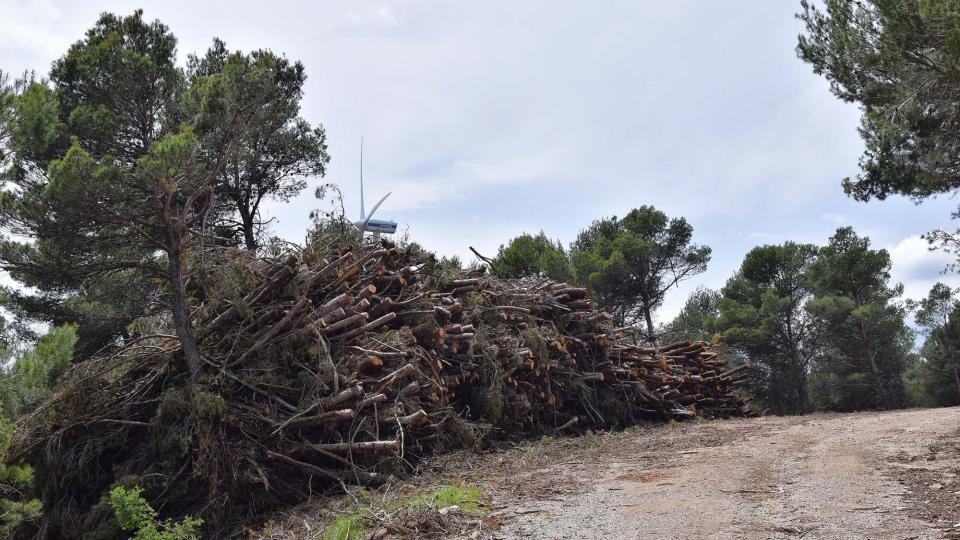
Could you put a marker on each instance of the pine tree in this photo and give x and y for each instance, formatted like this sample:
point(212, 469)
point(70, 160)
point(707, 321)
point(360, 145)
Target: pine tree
point(762, 315)
point(630, 263)
point(277, 154)
point(118, 164)
point(115, 165)
point(865, 338)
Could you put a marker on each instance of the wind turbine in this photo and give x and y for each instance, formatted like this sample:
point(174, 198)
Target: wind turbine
point(367, 223)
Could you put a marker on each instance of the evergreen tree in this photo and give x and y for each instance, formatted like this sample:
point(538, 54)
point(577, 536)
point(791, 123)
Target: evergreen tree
point(762, 316)
point(8, 98)
point(864, 335)
point(35, 371)
point(31, 378)
point(119, 165)
point(900, 61)
point(276, 154)
point(110, 181)
point(529, 255)
point(698, 320)
point(938, 370)
point(630, 263)
point(114, 94)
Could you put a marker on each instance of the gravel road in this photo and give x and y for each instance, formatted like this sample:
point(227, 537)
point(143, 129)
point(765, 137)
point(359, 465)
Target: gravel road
point(815, 477)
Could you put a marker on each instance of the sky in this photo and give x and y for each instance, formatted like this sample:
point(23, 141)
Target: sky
point(489, 119)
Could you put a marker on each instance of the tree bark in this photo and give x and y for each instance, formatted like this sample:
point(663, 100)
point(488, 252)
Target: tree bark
point(178, 303)
point(956, 378)
point(799, 368)
point(871, 360)
point(802, 387)
point(246, 222)
point(649, 320)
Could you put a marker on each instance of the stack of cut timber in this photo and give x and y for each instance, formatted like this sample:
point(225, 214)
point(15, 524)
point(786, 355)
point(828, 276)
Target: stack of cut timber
point(337, 364)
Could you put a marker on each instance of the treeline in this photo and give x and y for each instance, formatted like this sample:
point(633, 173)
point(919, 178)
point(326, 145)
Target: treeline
point(899, 62)
point(823, 327)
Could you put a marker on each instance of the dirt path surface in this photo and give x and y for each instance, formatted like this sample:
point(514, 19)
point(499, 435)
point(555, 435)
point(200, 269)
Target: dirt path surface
point(822, 476)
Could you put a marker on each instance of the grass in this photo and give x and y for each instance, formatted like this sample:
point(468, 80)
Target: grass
point(348, 527)
point(351, 526)
point(466, 497)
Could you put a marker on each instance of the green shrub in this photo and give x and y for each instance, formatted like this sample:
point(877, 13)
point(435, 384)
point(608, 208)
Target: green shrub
point(14, 481)
point(134, 513)
point(35, 371)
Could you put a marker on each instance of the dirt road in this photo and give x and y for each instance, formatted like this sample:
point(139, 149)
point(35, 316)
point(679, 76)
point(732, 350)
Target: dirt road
point(822, 476)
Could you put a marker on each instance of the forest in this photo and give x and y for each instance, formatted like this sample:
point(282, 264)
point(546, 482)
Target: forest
point(152, 319)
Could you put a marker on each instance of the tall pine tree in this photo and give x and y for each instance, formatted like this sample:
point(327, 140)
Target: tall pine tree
point(276, 155)
point(630, 263)
point(120, 157)
point(865, 338)
point(762, 316)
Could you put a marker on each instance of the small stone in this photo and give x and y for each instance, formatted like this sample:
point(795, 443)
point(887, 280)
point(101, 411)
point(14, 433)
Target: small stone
point(936, 486)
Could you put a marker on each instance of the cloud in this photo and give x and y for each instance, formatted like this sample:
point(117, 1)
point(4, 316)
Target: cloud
point(835, 218)
point(28, 32)
point(918, 268)
point(912, 258)
point(377, 15)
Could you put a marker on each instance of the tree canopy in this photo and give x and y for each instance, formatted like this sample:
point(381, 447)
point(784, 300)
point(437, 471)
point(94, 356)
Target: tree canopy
point(276, 154)
point(762, 314)
point(529, 255)
point(114, 94)
point(864, 337)
point(121, 156)
point(697, 319)
point(938, 368)
point(630, 263)
point(899, 60)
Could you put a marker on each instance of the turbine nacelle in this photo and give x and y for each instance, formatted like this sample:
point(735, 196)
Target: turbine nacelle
point(377, 226)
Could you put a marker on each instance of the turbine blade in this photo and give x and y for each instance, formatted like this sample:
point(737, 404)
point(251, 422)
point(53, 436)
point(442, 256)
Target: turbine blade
point(374, 210)
point(378, 204)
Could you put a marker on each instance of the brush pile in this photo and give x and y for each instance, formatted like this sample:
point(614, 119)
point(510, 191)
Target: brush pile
point(341, 364)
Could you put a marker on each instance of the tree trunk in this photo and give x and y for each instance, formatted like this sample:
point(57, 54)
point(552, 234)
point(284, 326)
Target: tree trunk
point(246, 221)
point(798, 366)
point(649, 319)
point(874, 368)
point(956, 378)
point(181, 312)
point(802, 391)
point(800, 383)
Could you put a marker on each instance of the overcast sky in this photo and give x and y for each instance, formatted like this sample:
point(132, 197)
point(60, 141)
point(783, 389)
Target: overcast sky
point(489, 119)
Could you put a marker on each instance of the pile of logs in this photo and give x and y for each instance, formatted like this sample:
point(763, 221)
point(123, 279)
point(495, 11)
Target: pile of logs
point(330, 364)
